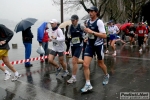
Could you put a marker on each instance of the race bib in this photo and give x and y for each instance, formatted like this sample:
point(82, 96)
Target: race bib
point(132, 32)
point(91, 36)
point(75, 40)
point(55, 44)
point(141, 31)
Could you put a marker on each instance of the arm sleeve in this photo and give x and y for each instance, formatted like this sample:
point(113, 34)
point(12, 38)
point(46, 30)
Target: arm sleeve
point(82, 28)
point(9, 34)
point(101, 26)
point(60, 36)
point(68, 33)
point(117, 29)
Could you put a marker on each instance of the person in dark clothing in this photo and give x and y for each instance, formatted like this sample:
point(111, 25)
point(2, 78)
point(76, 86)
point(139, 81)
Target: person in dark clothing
point(67, 41)
point(132, 30)
point(27, 41)
point(5, 36)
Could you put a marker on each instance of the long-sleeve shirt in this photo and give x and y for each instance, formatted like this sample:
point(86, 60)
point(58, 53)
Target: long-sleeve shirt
point(59, 42)
point(5, 34)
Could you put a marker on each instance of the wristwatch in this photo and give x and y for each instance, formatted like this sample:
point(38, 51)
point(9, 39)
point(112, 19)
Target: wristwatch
point(93, 33)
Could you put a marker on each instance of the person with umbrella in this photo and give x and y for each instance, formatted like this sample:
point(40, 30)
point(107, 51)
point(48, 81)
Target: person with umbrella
point(27, 41)
point(5, 36)
point(25, 26)
point(43, 37)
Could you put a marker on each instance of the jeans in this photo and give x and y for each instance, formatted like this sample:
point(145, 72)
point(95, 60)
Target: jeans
point(28, 47)
point(45, 47)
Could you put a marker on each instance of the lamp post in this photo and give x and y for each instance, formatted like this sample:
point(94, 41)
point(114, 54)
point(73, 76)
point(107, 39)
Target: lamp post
point(61, 11)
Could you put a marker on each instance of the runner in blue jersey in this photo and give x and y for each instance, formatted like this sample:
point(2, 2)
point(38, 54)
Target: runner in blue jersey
point(75, 32)
point(96, 33)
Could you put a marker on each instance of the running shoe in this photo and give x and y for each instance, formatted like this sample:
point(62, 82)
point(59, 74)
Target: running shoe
point(7, 76)
point(106, 79)
point(86, 88)
point(72, 80)
point(65, 73)
point(16, 78)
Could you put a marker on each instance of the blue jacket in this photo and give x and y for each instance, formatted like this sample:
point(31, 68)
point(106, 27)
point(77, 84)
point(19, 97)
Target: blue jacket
point(40, 32)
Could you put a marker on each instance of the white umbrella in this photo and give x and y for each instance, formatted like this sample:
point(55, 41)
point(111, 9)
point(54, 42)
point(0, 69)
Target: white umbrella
point(64, 24)
point(85, 17)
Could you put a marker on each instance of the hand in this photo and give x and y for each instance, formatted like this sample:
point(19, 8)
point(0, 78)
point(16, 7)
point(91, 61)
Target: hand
point(53, 37)
point(40, 44)
point(49, 40)
point(87, 30)
point(2, 42)
point(85, 40)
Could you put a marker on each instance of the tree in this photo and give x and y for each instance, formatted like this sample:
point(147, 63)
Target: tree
point(77, 4)
point(146, 12)
point(133, 9)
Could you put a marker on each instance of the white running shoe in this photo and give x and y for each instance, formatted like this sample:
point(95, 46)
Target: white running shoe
point(114, 54)
point(140, 50)
point(107, 52)
point(16, 78)
point(86, 88)
point(7, 76)
point(72, 80)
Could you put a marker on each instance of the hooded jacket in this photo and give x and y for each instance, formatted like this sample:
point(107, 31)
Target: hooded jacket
point(40, 32)
point(5, 35)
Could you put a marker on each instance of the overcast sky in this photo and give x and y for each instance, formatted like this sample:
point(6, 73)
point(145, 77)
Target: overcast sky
point(43, 10)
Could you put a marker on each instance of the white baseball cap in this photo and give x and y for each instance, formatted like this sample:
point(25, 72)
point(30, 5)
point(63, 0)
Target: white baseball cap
point(53, 21)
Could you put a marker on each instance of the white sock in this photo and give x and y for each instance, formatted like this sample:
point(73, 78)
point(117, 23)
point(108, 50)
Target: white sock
point(6, 72)
point(88, 82)
point(74, 76)
point(16, 73)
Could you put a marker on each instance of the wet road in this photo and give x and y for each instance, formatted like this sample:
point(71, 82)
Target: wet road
point(129, 72)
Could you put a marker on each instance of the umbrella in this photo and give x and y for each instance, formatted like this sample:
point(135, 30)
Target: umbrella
point(64, 24)
point(40, 31)
point(24, 24)
point(123, 27)
point(86, 17)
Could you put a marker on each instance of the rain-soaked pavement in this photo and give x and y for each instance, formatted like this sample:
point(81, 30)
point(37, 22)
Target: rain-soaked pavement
point(129, 72)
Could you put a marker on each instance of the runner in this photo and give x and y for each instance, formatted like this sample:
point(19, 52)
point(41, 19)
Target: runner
point(5, 36)
point(146, 34)
point(140, 31)
point(113, 30)
point(58, 40)
point(76, 33)
point(132, 30)
point(96, 33)
point(107, 39)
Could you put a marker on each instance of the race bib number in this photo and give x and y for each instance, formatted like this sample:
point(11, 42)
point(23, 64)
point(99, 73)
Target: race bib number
point(132, 32)
point(55, 44)
point(75, 40)
point(141, 31)
point(91, 36)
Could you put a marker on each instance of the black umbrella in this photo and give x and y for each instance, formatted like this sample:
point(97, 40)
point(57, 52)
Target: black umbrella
point(24, 24)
